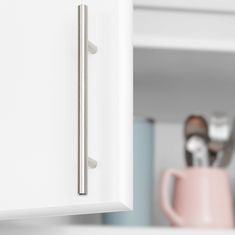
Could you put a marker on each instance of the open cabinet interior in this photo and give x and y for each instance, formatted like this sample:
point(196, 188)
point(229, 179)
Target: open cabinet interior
point(184, 59)
point(169, 85)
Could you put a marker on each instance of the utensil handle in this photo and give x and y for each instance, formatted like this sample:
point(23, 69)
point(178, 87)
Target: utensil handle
point(165, 201)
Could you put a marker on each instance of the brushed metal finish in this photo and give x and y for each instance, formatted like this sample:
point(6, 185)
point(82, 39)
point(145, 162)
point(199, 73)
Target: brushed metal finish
point(92, 48)
point(82, 96)
point(83, 47)
point(92, 163)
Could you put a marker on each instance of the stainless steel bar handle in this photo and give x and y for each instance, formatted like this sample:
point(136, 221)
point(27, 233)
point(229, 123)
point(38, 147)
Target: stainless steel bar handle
point(83, 47)
point(82, 96)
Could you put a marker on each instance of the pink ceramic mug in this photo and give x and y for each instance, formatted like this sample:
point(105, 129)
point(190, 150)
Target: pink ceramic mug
point(201, 198)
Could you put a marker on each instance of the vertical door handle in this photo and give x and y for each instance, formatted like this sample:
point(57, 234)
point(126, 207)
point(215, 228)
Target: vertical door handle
point(83, 47)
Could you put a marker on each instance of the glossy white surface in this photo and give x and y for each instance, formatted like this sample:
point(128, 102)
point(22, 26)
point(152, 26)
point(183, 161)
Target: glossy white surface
point(38, 107)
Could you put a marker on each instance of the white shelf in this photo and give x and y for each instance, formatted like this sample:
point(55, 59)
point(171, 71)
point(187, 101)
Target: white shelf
point(216, 6)
point(158, 42)
point(173, 24)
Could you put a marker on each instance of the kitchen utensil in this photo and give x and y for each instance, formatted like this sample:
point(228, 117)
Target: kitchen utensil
point(196, 139)
point(196, 125)
point(198, 148)
point(219, 127)
point(219, 134)
point(201, 198)
point(228, 149)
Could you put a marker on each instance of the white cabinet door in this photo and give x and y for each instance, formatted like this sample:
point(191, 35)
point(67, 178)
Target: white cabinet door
point(39, 107)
